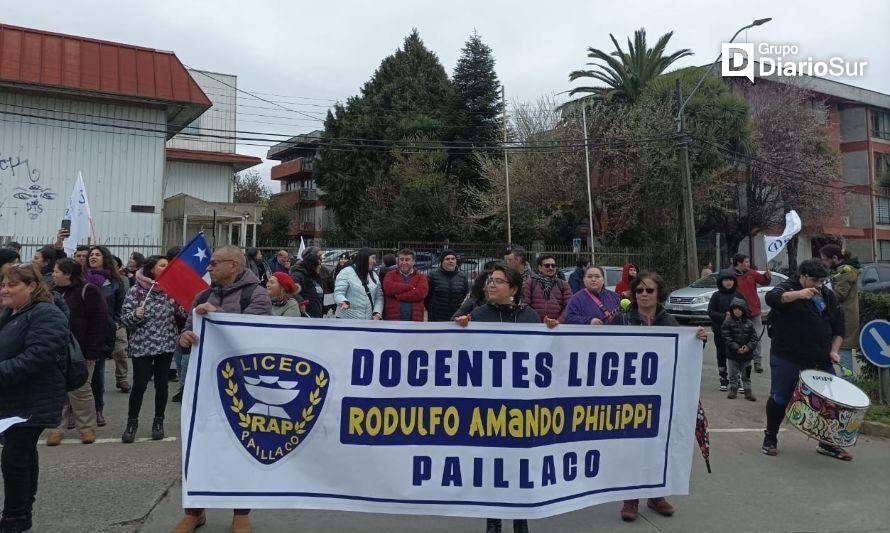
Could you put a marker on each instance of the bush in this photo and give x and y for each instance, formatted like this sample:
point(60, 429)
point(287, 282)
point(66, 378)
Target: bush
point(872, 306)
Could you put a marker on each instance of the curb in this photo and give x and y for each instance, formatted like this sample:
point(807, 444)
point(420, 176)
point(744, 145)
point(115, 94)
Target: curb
point(876, 429)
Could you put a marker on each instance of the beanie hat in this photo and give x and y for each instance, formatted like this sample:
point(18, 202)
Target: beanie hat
point(286, 282)
point(7, 256)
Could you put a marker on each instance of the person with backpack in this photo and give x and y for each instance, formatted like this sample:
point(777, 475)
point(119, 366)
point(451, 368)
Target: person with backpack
point(33, 333)
point(150, 316)
point(357, 289)
point(88, 320)
point(544, 292)
point(233, 289)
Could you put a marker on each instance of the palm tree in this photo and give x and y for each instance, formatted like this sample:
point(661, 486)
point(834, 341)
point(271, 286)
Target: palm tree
point(627, 73)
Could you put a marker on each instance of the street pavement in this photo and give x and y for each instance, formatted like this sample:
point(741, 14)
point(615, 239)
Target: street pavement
point(113, 487)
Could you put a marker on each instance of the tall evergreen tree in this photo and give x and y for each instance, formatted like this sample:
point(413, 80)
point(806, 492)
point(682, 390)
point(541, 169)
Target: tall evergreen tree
point(476, 83)
point(408, 97)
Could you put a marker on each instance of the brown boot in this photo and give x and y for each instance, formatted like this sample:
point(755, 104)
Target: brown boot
point(190, 523)
point(88, 437)
point(750, 396)
point(240, 523)
point(54, 438)
point(733, 393)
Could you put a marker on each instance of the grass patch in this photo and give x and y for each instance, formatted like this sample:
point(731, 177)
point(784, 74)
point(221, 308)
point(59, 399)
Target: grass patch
point(878, 413)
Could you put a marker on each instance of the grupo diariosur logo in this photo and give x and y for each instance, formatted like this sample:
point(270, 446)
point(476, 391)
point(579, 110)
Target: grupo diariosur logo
point(739, 60)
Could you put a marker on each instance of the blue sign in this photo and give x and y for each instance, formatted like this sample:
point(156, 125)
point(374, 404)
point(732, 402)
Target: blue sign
point(874, 339)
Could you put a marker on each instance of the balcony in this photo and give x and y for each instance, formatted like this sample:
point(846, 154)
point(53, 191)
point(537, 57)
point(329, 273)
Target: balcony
point(293, 168)
point(308, 195)
point(308, 227)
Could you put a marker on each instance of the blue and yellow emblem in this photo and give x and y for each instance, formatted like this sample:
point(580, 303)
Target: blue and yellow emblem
point(271, 401)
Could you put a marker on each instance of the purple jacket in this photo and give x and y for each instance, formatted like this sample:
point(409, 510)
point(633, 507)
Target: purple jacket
point(582, 309)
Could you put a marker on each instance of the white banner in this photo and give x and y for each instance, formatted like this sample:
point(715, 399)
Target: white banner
point(495, 420)
point(78, 212)
point(775, 244)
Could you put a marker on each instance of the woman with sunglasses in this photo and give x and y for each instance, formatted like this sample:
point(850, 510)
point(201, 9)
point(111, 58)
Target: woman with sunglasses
point(594, 304)
point(647, 294)
point(33, 332)
point(502, 289)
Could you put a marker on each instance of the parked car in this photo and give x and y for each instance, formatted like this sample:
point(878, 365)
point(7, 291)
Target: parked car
point(330, 258)
point(690, 304)
point(874, 277)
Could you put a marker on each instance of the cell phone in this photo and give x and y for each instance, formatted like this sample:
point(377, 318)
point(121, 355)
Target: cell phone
point(66, 225)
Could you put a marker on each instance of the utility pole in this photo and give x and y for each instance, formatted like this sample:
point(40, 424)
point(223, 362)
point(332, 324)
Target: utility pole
point(688, 215)
point(589, 194)
point(506, 167)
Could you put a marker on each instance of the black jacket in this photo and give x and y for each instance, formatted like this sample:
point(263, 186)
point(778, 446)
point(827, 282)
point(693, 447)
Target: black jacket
point(631, 317)
point(519, 314)
point(31, 381)
point(722, 299)
point(447, 291)
point(799, 330)
point(309, 291)
point(88, 317)
point(738, 332)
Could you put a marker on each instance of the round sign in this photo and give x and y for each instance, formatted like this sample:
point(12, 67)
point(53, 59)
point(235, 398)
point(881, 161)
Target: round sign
point(874, 339)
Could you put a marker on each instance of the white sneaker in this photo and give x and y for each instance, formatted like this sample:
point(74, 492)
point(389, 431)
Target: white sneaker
point(741, 389)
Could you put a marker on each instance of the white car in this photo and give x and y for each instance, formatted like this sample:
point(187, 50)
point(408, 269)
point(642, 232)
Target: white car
point(690, 304)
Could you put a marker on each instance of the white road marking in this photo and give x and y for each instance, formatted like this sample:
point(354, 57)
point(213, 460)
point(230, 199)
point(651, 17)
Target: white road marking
point(76, 440)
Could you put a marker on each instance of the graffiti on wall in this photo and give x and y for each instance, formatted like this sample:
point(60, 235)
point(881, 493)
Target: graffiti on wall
point(34, 195)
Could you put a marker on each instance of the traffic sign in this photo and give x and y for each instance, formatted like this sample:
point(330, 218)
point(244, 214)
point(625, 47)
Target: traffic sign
point(874, 339)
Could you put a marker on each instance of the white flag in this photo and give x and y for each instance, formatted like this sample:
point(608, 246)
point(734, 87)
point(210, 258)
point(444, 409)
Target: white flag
point(302, 248)
point(775, 244)
point(78, 212)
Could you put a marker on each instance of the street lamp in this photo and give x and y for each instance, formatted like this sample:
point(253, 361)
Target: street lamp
point(688, 213)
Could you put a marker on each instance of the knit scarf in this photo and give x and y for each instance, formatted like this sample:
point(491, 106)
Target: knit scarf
point(145, 282)
point(97, 276)
point(547, 283)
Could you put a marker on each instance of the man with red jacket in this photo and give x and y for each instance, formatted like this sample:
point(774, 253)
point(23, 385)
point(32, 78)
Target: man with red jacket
point(404, 290)
point(747, 280)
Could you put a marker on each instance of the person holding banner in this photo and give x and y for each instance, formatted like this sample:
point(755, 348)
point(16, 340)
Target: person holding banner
point(648, 292)
point(33, 332)
point(282, 290)
point(231, 284)
point(807, 329)
point(150, 316)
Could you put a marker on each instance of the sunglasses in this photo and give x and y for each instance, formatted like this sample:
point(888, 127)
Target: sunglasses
point(647, 290)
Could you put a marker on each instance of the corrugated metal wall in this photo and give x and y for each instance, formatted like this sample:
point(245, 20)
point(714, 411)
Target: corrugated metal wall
point(218, 120)
point(209, 182)
point(45, 141)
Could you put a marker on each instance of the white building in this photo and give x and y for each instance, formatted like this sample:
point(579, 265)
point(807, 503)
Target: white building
point(107, 110)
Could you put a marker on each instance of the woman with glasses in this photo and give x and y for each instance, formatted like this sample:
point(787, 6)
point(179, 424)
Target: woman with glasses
point(647, 294)
point(503, 305)
point(33, 332)
point(594, 304)
point(357, 289)
point(150, 316)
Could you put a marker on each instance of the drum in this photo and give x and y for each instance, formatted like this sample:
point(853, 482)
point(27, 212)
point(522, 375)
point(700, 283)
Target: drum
point(827, 408)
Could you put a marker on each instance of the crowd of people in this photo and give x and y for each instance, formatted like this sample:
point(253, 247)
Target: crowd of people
point(118, 312)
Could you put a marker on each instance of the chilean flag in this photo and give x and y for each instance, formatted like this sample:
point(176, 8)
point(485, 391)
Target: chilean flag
point(186, 275)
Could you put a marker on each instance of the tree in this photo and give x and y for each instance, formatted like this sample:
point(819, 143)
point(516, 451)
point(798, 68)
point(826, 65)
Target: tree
point(276, 222)
point(626, 74)
point(408, 97)
point(250, 189)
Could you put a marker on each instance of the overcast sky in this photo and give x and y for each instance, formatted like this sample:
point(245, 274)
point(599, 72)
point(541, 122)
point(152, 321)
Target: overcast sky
point(309, 54)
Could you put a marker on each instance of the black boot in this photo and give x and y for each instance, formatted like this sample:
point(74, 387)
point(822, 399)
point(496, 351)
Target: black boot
point(130, 432)
point(492, 525)
point(520, 526)
point(20, 524)
point(157, 429)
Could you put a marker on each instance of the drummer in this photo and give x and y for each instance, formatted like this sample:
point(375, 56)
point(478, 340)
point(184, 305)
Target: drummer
point(806, 325)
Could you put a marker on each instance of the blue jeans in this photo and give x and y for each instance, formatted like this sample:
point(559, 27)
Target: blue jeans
point(784, 376)
point(182, 366)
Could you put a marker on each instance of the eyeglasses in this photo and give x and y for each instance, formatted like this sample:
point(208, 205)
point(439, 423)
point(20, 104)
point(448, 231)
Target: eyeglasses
point(549, 265)
point(647, 290)
point(215, 262)
point(496, 281)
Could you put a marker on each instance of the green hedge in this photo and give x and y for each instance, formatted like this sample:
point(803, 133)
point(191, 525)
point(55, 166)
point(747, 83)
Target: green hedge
point(872, 306)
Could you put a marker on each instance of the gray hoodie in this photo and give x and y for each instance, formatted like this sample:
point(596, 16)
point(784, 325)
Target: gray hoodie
point(227, 298)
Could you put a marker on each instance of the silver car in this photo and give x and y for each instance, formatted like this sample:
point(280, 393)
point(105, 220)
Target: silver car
point(690, 304)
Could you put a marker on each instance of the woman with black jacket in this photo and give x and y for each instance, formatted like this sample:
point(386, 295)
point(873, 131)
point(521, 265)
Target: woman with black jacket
point(88, 322)
point(33, 333)
point(718, 309)
point(306, 275)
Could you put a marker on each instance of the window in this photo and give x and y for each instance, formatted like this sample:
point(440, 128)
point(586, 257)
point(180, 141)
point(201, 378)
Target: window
point(880, 124)
point(882, 210)
point(883, 250)
point(882, 170)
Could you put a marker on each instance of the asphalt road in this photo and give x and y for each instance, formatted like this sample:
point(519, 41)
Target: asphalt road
point(113, 487)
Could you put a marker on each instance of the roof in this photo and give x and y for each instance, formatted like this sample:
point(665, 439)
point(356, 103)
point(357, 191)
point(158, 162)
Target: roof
point(51, 62)
point(309, 140)
point(238, 161)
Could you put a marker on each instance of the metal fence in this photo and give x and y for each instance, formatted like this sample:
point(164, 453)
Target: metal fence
point(121, 247)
